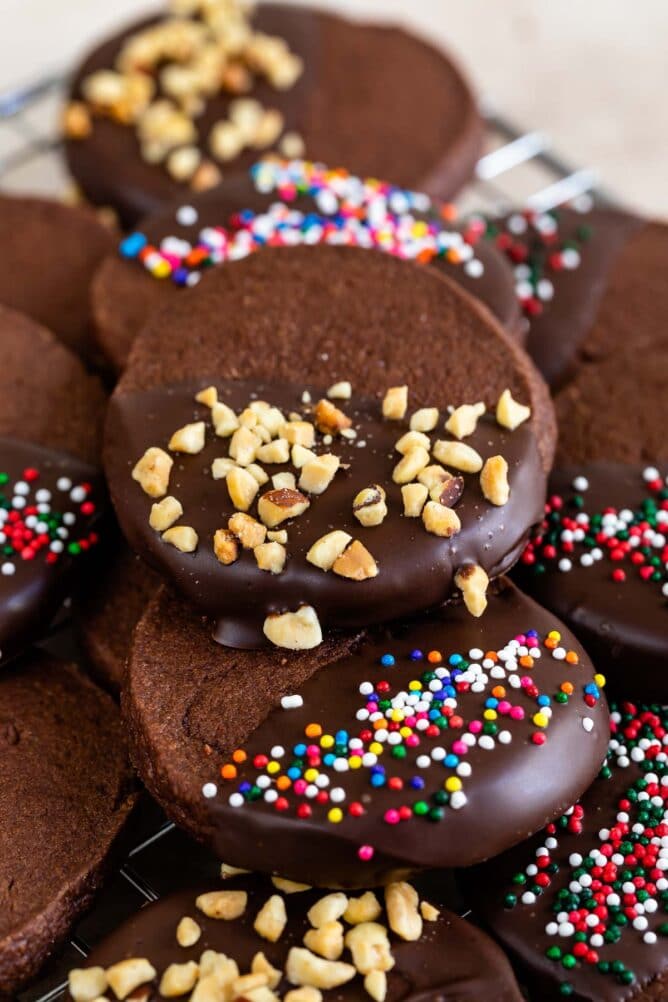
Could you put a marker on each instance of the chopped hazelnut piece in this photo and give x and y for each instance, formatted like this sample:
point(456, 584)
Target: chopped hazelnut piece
point(207, 396)
point(375, 983)
point(271, 919)
point(326, 941)
point(299, 433)
point(223, 904)
point(278, 536)
point(428, 912)
point(494, 480)
point(208, 989)
point(88, 983)
point(292, 146)
point(289, 886)
point(226, 140)
point(304, 968)
point(182, 163)
point(129, 974)
point(414, 497)
point(295, 631)
point(449, 492)
point(411, 440)
point(77, 123)
point(424, 419)
point(244, 446)
point(301, 456)
point(318, 473)
point(183, 537)
point(257, 473)
point(464, 420)
point(355, 563)
point(340, 391)
point(269, 417)
point(510, 414)
point(327, 909)
point(246, 114)
point(224, 970)
point(221, 467)
point(268, 129)
point(329, 419)
point(260, 965)
point(439, 520)
point(304, 994)
point(188, 932)
point(225, 421)
point(473, 581)
point(370, 947)
point(395, 403)
point(165, 513)
point(244, 986)
point(227, 871)
point(432, 475)
point(369, 507)
point(247, 529)
point(225, 546)
point(270, 557)
point(179, 979)
point(284, 481)
point(206, 176)
point(188, 439)
point(408, 468)
point(277, 451)
point(401, 902)
point(242, 487)
point(248, 418)
point(326, 550)
point(366, 908)
point(152, 472)
point(276, 506)
point(458, 456)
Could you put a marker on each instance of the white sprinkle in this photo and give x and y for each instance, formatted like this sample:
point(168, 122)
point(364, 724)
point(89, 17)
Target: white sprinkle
point(78, 494)
point(8, 568)
point(63, 483)
point(22, 487)
point(236, 800)
point(580, 484)
point(588, 724)
point(650, 473)
point(186, 215)
point(565, 564)
point(292, 702)
point(474, 268)
point(457, 799)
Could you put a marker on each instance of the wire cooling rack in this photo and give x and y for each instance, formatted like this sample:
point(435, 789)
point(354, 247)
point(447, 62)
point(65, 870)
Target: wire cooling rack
point(154, 857)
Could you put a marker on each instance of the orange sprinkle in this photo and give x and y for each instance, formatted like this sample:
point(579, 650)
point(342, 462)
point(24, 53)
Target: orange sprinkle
point(283, 783)
point(239, 756)
point(567, 687)
point(491, 655)
point(498, 692)
point(550, 643)
point(313, 730)
point(526, 661)
point(572, 658)
point(434, 657)
point(449, 211)
point(228, 771)
point(453, 255)
point(426, 255)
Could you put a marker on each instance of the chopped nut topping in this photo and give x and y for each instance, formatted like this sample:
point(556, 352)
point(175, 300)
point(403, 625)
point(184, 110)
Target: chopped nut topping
point(366, 908)
point(401, 902)
point(223, 904)
point(284, 481)
point(242, 487)
point(292, 146)
point(258, 474)
point(304, 994)
point(248, 418)
point(326, 550)
point(188, 932)
point(221, 467)
point(340, 391)
point(152, 472)
point(395, 403)
point(247, 529)
point(183, 163)
point(88, 983)
point(165, 513)
point(432, 475)
point(129, 974)
point(327, 909)
point(208, 989)
point(510, 414)
point(207, 396)
point(278, 536)
point(424, 419)
point(268, 129)
point(375, 983)
point(260, 965)
point(276, 506)
point(428, 912)
point(449, 492)
point(225, 546)
point(77, 122)
point(188, 439)
point(473, 581)
point(459, 456)
point(277, 451)
point(226, 140)
point(179, 979)
point(329, 419)
point(412, 440)
point(370, 947)
point(439, 520)
point(494, 480)
point(464, 420)
point(408, 468)
point(301, 456)
point(183, 537)
point(289, 886)
point(223, 969)
point(296, 631)
point(299, 433)
point(414, 497)
point(369, 507)
point(269, 417)
point(206, 176)
point(245, 986)
point(356, 563)
point(317, 474)
point(225, 421)
point(304, 968)
point(270, 557)
point(326, 941)
point(271, 919)
point(244, 446)
point(227, 871)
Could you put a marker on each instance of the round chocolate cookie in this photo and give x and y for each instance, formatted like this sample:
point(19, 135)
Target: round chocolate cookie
point(65, 792)
point(437, 742)
point(51, 496)
point(279, 937)
point(600, 562)
point(170, 250)
point(374, 98)
point(583, 906)
point(49, 254)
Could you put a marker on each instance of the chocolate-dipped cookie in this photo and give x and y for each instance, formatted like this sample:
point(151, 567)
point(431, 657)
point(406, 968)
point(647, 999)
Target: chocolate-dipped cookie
point(266, 941)
point(49, 254)
point(283, 204)
point(51, 495)
point(164, 106)
point(583, 906)
point(65, 792)
point(436, 742)
point(600, 562)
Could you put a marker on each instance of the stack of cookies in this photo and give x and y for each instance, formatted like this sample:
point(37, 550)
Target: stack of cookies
point(276, 445)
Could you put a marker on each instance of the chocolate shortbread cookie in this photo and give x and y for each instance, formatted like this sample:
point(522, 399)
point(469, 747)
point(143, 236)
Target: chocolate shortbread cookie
point(583, 905)
point(65, 792)
point(49, 254)
point(374, 98)
point(436, 742)
point(404, 947)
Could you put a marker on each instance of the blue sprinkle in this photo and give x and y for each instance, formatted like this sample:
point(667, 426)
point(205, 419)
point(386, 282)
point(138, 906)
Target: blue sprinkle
point(244, 787)
point(377, 780)
point(491, 703)
point(132, 245)
point(329, 759)
point(416, 655)
point(417, 782)
point(387, 660)
point(455, 659)
point(451, 761)
point(180, 276)
point(293, 772)
point(299, 750)
point(543, 700)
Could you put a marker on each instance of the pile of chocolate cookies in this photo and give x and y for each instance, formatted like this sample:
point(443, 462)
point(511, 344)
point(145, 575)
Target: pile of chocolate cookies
point(359, 511)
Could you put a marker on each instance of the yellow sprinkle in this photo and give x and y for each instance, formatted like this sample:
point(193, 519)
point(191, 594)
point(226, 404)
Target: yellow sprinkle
point(397, 716)
point(311, 775)
point(355, 761)
point(554, 635)
point(490, 714)
point(452, 784)
point(327, 741)
point(335, 815)
point(540, 720)
point(273, 767)
point(405, 731)
point(415, 685)
point(376, 748)
point(161, 270)
point(600, 680)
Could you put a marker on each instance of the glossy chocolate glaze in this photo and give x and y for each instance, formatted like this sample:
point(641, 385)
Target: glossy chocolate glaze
point(416, 568)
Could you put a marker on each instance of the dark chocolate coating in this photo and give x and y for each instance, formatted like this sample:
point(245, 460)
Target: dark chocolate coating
point(190, 702)
point(521, 930)
point(623, 625)
point(30, 597)
point(124, 294)
point(65, 793)
point(418, 123)
point(416, 569)
point(453, 961)
point(332, 313)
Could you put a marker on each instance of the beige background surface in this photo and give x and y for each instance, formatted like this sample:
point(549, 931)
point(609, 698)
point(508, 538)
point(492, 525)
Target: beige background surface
point(592, 74)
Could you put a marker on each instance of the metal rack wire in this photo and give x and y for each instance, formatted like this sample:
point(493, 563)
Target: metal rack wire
point(154, 857)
